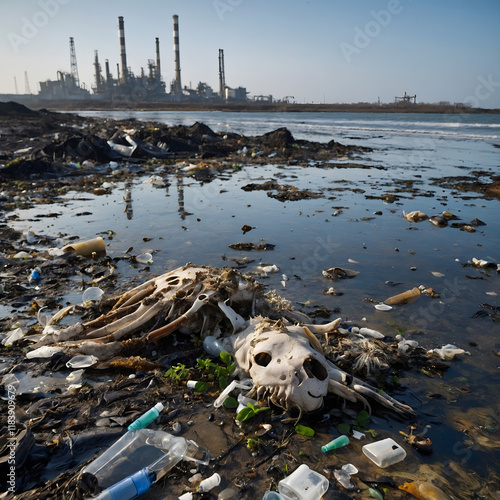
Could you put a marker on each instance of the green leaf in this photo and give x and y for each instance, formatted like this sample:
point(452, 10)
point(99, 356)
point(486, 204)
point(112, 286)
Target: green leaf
point(363, 419)
point(223, 382)
point(200, 386)
point(226, 358)
point(231, 402)
point(305, 431)
point(245, 414)
point(344, 429)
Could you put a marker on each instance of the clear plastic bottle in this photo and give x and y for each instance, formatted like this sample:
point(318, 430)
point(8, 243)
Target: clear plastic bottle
point(157, 450)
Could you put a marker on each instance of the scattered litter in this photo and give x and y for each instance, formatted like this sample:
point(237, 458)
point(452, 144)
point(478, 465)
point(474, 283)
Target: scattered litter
point(336, 443)
point(437, 274)
point(209, 483)
point(144, 258)
point(343, 478)
point(404, 298)
point(93, 248)
point(12, 336)
point(303, 484)
point(358, 435)
point(80, 361)
point(415, 216)
point(448, 352)
point(382, 307)
point(384, 453)
point(338, 273)
point(94, 293)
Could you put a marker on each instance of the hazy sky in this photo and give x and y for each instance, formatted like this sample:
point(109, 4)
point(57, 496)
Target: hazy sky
point(315, 50)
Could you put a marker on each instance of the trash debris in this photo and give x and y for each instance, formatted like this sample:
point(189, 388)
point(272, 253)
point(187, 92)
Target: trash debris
point(384, 453)
point(89, 249)
point(94, 293)
point(424, 491)
point(382, 307)
point(335, 273)
point(303, 484)
point(336, 443)
point(148, 453)
point(144, 258)
point(144, 420)
point(209, 483)
point(415, 216)
point(448, 352)
point(404, 298)
point(344, 478)
point(80, 361)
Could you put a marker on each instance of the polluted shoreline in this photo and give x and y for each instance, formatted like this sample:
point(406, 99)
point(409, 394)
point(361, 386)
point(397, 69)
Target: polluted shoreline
point(65, 415)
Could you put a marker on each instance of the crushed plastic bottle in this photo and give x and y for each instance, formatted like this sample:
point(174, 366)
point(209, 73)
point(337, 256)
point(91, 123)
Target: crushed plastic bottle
point(156, 450)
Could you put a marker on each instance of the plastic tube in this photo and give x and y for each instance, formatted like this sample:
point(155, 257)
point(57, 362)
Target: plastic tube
point(209, 483)
point(336, 443)
point(130, 487)
point(148, 417)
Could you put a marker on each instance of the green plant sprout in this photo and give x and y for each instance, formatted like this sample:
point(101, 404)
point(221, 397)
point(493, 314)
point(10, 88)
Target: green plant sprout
point(178, 372)
point(249, 412)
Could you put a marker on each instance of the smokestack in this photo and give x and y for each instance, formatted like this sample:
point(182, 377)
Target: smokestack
point(222, 76)
point(123, 53)
point(108, 74)
point(158, 70)
point(177, 85)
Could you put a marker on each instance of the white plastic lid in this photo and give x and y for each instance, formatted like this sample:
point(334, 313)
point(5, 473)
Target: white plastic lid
point(159, 406)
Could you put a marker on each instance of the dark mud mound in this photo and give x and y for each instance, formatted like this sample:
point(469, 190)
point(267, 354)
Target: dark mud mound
point(34, 169)
point(12, 108)
point(280, 138)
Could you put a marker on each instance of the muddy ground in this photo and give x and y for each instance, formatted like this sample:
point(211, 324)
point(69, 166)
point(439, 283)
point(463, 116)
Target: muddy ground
point(43, 155)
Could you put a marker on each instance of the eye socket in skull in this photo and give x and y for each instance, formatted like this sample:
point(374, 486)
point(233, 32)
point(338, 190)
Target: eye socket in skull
point(263, 358)
point(315, 369)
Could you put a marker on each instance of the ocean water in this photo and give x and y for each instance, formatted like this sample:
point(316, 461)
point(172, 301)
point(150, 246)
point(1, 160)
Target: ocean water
point(353, 227)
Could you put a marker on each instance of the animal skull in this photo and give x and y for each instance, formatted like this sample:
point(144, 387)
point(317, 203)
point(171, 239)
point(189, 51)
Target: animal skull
point(283, 364)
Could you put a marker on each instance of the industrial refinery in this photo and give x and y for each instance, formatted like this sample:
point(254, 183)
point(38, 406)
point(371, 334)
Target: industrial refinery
point(146, 86)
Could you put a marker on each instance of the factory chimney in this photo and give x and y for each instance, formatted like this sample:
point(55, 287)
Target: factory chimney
point(222, 75)
point(158, 70)
point(123, 53)
point(177, 87)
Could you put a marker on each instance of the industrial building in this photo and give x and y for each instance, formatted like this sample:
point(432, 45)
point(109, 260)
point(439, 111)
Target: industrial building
point(146, 86)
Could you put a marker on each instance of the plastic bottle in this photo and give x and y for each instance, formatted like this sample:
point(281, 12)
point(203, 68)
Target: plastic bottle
point(157, 450)
point(213, 346)
point(148, 417)
point(336, 443)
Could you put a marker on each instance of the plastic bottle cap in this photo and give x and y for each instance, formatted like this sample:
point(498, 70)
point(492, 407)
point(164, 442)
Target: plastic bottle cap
point(159, 406)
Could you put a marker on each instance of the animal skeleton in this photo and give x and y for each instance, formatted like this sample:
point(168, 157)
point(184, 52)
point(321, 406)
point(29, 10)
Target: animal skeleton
point(284, 360)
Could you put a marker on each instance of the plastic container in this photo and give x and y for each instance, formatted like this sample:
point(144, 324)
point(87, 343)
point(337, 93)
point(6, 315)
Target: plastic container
point(273, 495)
point(148, 417)
point(157, 450)
point(336, 443)
point(209, 483)
point(384, 453)
point(213, 346)
point(303, 484)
